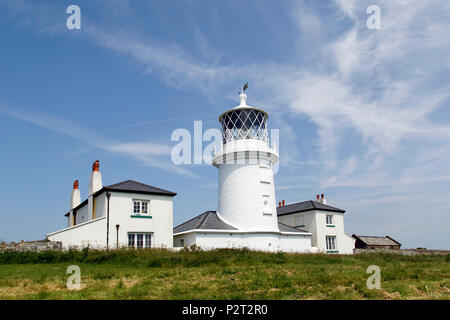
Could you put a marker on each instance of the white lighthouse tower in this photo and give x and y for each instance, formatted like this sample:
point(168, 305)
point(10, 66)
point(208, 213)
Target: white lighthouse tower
point(245, 162)
point(247, 215)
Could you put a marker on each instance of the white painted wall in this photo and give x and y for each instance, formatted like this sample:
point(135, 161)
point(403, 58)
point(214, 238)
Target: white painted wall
point(348, 244)
point(189, 240)
point(100, 205)
point(93, 232)
point(160, 224)
point(260, 241)
point(82, 214)
point(315, 223)
point(90, 233)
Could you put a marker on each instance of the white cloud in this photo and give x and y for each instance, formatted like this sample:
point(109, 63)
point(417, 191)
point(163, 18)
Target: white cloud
point(149, 153)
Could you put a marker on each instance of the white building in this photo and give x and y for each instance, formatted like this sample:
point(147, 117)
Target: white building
point(126, 214)
point(247, 215)
point(324, 222)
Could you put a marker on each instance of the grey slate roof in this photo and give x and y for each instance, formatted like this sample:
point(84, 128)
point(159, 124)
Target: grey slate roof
point(207, 220)
point(285, 228)
point(377, 241)
point(306, 206)
point(137, 187)
point(210, 220)
point(129, 186)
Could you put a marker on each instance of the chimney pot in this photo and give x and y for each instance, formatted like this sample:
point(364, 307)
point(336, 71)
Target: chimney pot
point(321, 195)
point(96, 165)
point(279, 204)
point(283, 203)
point(75, 185)
point(318, 197)
point(95, 182)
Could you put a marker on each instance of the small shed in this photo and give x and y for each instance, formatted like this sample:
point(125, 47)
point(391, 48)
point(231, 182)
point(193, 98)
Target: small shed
point(376, 242)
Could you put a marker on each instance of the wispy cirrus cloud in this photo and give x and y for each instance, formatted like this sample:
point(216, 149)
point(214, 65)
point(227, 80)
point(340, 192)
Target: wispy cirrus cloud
point(149, 153)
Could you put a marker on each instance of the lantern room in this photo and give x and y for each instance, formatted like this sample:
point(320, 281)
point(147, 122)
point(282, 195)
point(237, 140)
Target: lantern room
point(244, 122)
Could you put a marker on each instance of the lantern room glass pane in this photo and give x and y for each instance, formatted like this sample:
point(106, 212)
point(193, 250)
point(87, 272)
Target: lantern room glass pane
point(244, 124)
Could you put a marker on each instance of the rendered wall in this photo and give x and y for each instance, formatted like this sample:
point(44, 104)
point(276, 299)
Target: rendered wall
point(253, 241)
point(189, 240)
point(82, 214)
point(100, 205)
point(315, 223)
point(160, 223)
point(92, 234)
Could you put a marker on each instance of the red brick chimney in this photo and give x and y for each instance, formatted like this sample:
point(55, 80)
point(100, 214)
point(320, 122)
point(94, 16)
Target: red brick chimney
point(96, 166)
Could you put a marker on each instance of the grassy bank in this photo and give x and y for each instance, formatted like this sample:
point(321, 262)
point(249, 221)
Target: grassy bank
point(221, 274)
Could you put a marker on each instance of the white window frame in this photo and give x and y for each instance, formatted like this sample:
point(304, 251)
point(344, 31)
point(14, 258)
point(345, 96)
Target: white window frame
point(140, 207)
point(134, 238)
point(331, 219)
point(331, 243)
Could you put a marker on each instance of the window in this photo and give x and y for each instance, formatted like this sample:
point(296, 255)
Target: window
point(148, 240)
point(131, 237)
point(137, 207)
point(331, 242)
point(329, 219)
point(144, 207)
point(139, 240)
point(181, 242)
point(140, 207)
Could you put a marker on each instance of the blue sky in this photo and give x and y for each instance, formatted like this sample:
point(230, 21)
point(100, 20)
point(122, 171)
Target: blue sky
point(363, 114)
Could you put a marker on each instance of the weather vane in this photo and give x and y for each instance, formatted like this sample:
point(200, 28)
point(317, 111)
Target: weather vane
point(244, 87)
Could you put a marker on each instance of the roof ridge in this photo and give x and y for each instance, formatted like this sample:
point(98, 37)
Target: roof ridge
point(115, 184)
point(372, 236)
point(207, 213)
point(147, 185)
point(295, 203)
point(191, 219)
point(155, 189)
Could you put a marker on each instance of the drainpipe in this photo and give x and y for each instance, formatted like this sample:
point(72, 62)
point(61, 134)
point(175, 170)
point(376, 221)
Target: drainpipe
point(117, 236)
point(108, 195)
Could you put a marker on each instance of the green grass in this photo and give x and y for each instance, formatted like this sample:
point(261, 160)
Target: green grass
point(220, 274)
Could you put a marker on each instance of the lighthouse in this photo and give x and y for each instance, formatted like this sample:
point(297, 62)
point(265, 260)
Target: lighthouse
point(246, 215)
point(245, 161)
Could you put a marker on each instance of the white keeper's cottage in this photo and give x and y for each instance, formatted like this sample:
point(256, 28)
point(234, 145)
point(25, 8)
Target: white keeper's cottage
point(125, 214)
